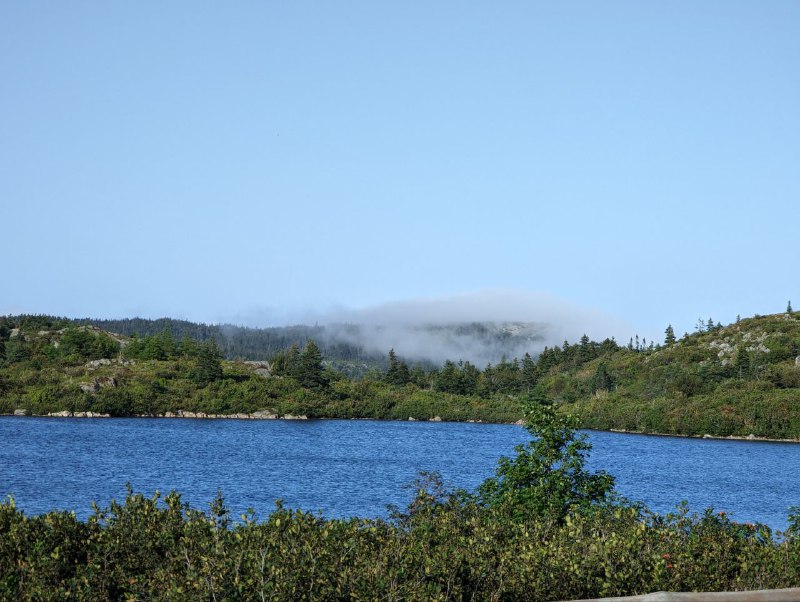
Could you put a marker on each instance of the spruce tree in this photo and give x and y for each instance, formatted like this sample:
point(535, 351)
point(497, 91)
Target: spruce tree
point(208, 367)
point(311, 372)
point(529, 372)
point(742, 362)
point(398, 373)
point(669, 336)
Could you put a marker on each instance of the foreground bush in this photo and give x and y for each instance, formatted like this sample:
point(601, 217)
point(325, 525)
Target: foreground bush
point(444, 548)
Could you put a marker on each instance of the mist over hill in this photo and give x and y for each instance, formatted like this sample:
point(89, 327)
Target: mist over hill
point(477, 342)
point(481, 328)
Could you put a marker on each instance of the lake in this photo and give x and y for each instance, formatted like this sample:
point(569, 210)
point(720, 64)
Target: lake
point(358, 467)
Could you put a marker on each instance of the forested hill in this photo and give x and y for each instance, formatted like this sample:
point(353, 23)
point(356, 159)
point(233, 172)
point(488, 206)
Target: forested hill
point(240, 342)
point(351, 348)
point(741, 379)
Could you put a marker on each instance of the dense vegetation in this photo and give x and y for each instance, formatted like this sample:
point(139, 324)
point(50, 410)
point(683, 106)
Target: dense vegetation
point(543, 528)
point(741, 379)
point(153, 375)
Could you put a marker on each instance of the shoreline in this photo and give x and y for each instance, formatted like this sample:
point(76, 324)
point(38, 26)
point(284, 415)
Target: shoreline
point(745, 438)
point(263, 415)
point(259, 415)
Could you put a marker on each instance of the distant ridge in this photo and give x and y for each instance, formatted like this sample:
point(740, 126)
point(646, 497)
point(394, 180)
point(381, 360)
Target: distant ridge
point(480, 342)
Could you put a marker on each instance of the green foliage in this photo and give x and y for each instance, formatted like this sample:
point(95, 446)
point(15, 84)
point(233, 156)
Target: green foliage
point(547, 477)
point(443, 547)
point(159, 347)
point(78, 345)
point(398, 373)
point(311, 372)
point(458, 379)
point(734, 380)
point(208, 367)
point(669, 336)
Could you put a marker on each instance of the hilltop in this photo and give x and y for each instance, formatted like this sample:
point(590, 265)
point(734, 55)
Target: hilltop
point(737, 380)
point(350, 348)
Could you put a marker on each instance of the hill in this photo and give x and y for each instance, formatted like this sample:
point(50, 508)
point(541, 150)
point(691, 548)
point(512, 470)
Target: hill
point(737, 380)
point(352, 349)
point(740, 380)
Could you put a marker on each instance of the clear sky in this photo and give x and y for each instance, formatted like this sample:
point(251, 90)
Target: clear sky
point(250, 161)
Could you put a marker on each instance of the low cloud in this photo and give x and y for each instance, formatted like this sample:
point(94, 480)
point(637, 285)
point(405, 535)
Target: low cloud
point(480, 327)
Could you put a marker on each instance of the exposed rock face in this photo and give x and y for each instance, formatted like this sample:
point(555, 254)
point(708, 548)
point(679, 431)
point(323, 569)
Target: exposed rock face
point(261, 368)
point(98, 363)
point(98, 383)
point(797, 361)
point(107, 362)
point(264, 415)
point(20, 412)
point(258, 415)
point(435, 419)
point(68, 414)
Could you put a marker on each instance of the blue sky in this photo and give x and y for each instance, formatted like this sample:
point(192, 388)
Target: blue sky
point(255, 161)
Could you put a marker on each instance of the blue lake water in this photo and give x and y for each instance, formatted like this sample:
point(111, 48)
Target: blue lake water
point(358, 467)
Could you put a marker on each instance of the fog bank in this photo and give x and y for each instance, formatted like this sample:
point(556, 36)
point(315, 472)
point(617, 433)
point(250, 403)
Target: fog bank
point(480, 327)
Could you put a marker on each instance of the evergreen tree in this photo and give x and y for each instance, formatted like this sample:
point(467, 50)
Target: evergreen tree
point(292, 361)
point(669, 336)
point(311, 372)
point(468, 379)
point(188, 347)
point(447, 378)
point(530, 375)
point(398, 373)
point(208, 367)
point(585, 349)
point(789, 307)
point(601, 381)
point(742, 362)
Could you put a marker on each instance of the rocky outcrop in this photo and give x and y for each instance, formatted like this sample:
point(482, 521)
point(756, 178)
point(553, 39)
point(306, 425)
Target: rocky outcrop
point(258, 415)
point(68, 414)
point(98, 383)
point(261, 368)
point(264, 415)
point(107, 362)
point(98, 363)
